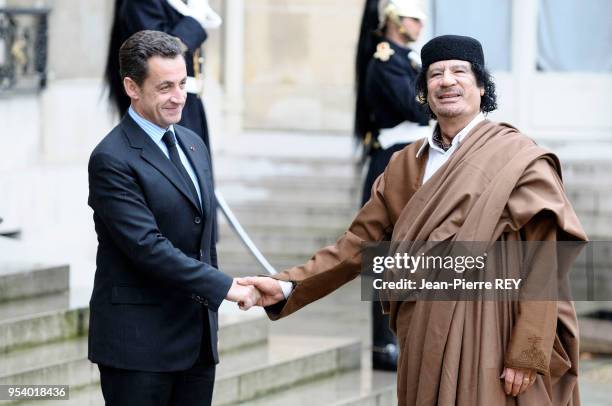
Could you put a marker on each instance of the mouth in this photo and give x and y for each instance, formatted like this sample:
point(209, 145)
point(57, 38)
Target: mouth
point(174, 109)
point(449, 97)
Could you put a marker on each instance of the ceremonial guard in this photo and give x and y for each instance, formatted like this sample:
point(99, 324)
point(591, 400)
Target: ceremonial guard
point(387, 115)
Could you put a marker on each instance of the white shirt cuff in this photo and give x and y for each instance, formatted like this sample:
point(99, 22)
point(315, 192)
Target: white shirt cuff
point(287, 287)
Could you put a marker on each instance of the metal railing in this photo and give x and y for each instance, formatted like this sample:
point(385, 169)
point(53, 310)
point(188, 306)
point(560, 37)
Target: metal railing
point(242, 234)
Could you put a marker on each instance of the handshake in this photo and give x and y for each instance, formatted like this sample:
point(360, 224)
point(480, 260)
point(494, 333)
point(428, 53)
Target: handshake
point(255, 291)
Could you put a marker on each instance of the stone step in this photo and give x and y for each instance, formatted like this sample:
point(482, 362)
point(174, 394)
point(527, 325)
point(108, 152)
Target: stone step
point(597, 226)
point(235, 260)
point(380, 397)
point(585, 166)
point(339, 389)
point(19, 308)
point(584, 308)
point(279, 214)
point(23, 279)
point(241, 376)
point(595, 335)
point(305, 231)
point(253, 268)
point(37, 364)
point(277, 243)
point(32, 330)
point(329, 184)
point(591, 201)
point(595, 378)
point(38, 328)
point(284, 362)
point(257, 168)
point(294, 193)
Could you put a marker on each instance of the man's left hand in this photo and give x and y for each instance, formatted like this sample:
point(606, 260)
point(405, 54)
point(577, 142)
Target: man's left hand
point(516, 381)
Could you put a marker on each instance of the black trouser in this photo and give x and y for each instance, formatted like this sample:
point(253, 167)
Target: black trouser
point(192, 387)
point(379, 158)
point(122, 387)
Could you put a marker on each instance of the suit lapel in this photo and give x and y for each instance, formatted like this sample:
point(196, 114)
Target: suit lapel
point(201, 166)
point(154, 156)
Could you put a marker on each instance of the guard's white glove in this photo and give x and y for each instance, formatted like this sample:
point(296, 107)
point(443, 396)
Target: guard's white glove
point(179, 6)
point(205, 14)
point(200, 10)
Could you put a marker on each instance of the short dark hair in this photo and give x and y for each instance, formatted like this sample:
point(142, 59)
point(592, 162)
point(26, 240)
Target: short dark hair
point(488, 102)
point(137, 49)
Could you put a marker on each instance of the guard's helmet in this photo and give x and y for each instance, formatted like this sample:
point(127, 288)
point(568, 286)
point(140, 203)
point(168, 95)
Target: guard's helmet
point(394, 10)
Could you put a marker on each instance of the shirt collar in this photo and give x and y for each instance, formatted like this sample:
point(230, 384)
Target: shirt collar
point(456, 139)
point(153, 130)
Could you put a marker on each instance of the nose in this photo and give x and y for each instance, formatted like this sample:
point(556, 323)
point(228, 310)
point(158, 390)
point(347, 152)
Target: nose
point(178, 95)
point(448, 79)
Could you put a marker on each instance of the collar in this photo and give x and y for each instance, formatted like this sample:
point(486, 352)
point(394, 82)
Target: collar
point(456, 139)
point(397, 47)
point(153, 130)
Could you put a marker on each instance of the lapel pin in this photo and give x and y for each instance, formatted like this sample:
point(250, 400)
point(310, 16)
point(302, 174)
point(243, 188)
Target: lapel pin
point(192, 148)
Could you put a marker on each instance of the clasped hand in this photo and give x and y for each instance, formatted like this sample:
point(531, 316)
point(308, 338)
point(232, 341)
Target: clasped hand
point(255, 291)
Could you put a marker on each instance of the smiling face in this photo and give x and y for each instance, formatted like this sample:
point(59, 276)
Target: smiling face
point(452, 90)
point(162, 95)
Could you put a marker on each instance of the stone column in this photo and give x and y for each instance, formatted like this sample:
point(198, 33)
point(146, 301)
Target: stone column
point(233, 66)
point(524, 54)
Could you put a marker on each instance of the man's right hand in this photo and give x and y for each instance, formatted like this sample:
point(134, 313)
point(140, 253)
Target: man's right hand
point(269, 289)
point(246, 296)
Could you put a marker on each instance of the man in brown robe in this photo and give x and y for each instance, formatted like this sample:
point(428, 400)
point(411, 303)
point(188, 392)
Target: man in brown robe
point(471, 180)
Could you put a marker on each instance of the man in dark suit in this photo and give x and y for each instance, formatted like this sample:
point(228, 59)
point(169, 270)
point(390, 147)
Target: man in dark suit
point(153, 321)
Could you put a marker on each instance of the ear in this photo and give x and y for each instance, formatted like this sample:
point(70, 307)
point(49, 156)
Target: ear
point(482, 91)
point(131, 88)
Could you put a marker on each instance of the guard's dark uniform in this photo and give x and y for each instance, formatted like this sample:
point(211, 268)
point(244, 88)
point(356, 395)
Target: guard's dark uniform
point(390, 99)
point(132, 16)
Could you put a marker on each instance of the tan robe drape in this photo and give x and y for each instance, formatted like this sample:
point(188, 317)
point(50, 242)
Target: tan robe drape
point(497, 185)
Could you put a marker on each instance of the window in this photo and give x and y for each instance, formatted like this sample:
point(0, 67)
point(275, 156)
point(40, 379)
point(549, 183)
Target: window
point(489, 21)
point(575, 36)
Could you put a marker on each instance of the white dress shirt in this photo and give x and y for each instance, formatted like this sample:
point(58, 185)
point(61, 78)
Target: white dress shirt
point(437, 156)
point(156, 133)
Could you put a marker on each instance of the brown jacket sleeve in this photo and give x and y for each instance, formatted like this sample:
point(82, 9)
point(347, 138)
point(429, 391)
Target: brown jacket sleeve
point(535, 342)
point(335, 265)
point(533, 334)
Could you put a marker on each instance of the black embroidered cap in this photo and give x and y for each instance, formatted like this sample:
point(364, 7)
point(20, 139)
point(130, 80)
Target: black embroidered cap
point(446, 47)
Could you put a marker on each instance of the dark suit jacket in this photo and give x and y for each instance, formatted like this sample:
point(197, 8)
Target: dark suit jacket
point(157, 285)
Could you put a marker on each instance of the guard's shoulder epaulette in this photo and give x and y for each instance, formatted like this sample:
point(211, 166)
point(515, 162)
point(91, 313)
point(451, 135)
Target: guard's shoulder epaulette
point(383, 51)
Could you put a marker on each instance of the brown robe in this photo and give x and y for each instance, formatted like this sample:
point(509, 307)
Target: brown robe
point(498, 185)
